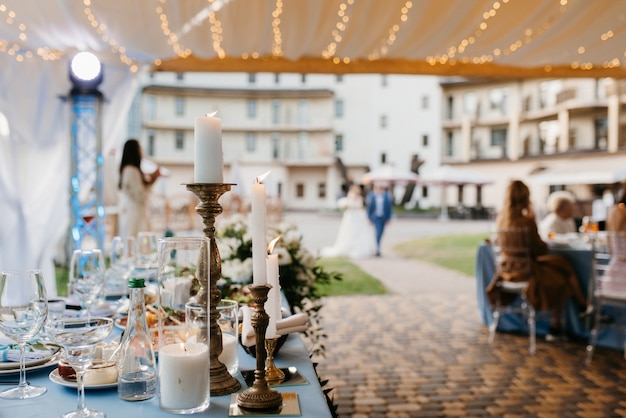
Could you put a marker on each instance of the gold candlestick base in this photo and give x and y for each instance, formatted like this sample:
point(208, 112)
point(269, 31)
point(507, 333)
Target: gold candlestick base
point(222, 383)
point(260, 396)
point(273, 374)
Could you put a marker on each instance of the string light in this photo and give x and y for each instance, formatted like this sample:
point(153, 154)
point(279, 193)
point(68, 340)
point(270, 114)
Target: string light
point(340, 27)
point(277, 46)
point(391, 38)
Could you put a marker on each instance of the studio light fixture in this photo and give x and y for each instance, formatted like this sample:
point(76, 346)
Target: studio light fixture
point(85, 72)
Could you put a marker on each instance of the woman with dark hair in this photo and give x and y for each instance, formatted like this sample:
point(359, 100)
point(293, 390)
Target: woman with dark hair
point(134, 189)
point(553, 280)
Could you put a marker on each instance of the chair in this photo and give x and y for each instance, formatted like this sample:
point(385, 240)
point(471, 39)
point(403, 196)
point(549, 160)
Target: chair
point(609, 285)
point(513, 264)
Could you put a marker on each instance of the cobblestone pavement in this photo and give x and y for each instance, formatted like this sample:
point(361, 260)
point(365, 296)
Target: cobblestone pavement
point(422, 351)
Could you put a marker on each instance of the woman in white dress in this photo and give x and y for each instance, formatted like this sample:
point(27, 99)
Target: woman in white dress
point(134, 187)
point(355, 238)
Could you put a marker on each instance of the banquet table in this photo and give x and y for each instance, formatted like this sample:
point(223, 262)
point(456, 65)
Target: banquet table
point(581, 257)
point(60, 399)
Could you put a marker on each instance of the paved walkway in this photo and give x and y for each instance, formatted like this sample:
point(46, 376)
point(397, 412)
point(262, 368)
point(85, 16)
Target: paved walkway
point(422, 351)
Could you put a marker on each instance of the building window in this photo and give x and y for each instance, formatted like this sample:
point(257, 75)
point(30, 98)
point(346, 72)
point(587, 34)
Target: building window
point(251, 78)
point(303, 145)
point(383, 158)
point(275, 111)
point(275, 145)
point(383, 80)
point(383, 121)
point(303, 112)
point(251, 108)
point(151, 145)
point(150, 107)
point(339, 108)
point(321, 190)
point(425, 191)
point(303, 78)
point(339, 142)
point(450, 107)
point(425, 140)
point(498, 137)
point(279, 189)
point(470, 103)
point(179, 140)
point(425, 102)
point(179, 105)
point(251, 141)
point(339, 78)
point(498, 99)
point(180, 76)
point(450, 145)
point(300, 190)
point(277, 78)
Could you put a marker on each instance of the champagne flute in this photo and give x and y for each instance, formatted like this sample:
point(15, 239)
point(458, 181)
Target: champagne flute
point(87, 274)
point(23, 311)
point(79, 336)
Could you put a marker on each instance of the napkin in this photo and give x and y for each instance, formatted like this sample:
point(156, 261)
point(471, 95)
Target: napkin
point(293, 323)
point(11, 353)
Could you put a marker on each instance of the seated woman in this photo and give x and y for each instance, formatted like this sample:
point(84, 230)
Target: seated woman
point(553, 279)
point(560, 219)
point(616, 218)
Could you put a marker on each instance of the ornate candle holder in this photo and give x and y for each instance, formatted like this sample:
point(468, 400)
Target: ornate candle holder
point(222, 383)
point(260, 396)
point(273, 374)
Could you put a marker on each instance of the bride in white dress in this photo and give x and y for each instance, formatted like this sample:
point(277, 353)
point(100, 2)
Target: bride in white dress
point(355, 238)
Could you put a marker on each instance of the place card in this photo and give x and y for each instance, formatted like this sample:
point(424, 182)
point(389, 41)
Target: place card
point(290, 408)
point(292, 377)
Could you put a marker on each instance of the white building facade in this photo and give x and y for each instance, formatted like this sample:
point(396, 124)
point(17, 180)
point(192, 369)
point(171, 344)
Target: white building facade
point(312, 132)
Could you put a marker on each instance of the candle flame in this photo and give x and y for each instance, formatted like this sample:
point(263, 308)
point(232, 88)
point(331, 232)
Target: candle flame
point(183, 346)
point(212, 114)
point(260, 178)
point(270, 248)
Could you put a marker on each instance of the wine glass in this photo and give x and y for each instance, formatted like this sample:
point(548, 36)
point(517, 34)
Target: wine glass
point(23, 311)
point(122, 265)
point(147, 250)
point(79, 336)
point(87, 274)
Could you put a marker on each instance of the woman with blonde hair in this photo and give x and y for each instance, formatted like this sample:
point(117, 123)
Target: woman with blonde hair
point(553, 280)
point(560, 220)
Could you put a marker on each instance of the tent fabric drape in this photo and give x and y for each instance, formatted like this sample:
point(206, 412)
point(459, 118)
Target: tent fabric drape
point(35, 157)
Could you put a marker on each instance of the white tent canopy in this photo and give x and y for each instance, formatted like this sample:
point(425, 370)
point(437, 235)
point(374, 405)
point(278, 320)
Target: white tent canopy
point(531, 38)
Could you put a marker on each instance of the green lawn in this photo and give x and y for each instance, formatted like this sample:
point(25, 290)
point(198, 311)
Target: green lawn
point(355, 281)
point(456, 252)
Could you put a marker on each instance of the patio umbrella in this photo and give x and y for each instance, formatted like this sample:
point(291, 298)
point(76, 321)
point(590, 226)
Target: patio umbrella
point(445, 176)
point(389, 174)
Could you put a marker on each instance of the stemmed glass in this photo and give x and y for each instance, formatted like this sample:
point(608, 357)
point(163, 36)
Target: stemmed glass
point(122, 265)
point(147, 251)
point(79, 336)
point(23, 311)
point(87, 274)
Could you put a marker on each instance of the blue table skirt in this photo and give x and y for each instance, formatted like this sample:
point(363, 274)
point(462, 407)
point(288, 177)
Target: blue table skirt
point(582, 262)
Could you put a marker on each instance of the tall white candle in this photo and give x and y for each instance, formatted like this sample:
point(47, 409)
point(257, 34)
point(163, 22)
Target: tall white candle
point(183, 375)
point(273, 297)
point(208, 158)
point(257, 227)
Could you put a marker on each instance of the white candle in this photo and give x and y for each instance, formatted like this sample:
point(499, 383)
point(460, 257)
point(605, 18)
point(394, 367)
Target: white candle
point(208, 158)
point(183, 375)
point(273, 297)
point(257, 227)
point(229, 356)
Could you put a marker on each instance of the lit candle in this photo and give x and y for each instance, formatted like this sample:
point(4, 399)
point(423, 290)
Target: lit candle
point(273, 297)
point(208, 157)
point(257, 227)
point(183, 375)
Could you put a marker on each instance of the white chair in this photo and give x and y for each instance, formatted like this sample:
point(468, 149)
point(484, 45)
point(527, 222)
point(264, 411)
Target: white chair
point(513, 265)
point(609, 284)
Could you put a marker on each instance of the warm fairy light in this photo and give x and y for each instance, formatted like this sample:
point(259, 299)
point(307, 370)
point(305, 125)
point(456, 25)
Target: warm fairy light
point(339, 29)
point(277, 45)
point(391, 38)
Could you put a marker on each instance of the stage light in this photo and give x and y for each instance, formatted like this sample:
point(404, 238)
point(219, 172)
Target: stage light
point(85, 72)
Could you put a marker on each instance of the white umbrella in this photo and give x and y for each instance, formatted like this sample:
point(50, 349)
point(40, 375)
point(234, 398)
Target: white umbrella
point(389, 174)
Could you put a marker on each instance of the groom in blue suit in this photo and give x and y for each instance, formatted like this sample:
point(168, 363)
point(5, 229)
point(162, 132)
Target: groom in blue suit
point(379, 208)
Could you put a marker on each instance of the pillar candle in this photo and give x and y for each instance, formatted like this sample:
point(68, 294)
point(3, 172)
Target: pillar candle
point(183, 375)
point(208, 157)
point(257, 226)
point(273, 297)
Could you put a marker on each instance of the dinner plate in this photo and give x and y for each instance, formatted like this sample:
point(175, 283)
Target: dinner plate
point(50, 361)
point(15, 365)
point(56, 378)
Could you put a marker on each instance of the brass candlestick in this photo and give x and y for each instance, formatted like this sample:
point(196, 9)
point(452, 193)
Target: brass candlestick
point(222, 383)
point(273, 374)
point(260, 396)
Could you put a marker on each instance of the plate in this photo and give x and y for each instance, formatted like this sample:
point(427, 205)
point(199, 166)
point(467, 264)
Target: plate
point(51, 361)
point(56, 378)
point(15, 366)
